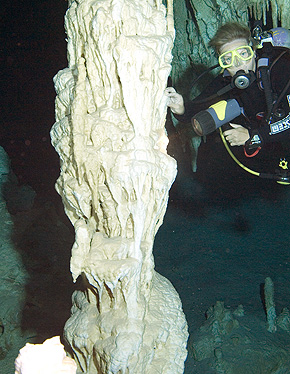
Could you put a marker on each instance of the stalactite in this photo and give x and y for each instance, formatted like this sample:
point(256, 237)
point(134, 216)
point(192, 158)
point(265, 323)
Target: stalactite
point(279, 9)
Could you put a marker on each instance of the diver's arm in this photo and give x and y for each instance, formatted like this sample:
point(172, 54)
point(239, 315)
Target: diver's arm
point(188, 113)
point(201, 102)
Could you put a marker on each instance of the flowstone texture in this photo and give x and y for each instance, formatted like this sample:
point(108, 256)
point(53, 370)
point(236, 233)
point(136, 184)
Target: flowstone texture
point(114, 182)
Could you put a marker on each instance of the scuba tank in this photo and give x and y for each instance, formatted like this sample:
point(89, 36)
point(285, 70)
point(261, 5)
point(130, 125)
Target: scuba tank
point(278, 37)
point(225, 111)
point(211, 119)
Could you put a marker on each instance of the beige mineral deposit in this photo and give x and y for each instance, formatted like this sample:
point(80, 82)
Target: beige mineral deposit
point(114, 182)
point(46, 358)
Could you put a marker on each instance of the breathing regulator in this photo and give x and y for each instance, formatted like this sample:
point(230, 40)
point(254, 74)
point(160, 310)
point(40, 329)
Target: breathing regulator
point(224, 111)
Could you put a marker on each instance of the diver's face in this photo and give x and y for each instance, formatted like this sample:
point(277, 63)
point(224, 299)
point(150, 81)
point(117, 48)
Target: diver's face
point(238, 63)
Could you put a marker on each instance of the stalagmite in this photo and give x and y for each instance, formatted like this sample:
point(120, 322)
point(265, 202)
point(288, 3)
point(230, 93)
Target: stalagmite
point(270, 305)
point(114, 182)
point(46, 358)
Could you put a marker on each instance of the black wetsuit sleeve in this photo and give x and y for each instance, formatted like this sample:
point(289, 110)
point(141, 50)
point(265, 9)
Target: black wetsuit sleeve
point(207, 98)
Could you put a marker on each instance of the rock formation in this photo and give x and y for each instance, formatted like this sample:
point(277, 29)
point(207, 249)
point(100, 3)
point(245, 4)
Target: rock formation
point(13, 276)
point(46, 358)
point(114, 182)
point(237, 342)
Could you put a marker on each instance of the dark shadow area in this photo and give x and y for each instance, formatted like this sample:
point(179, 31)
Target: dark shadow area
point(33, 50)
point(224, 233)
point(44, 238)
point(262, 295)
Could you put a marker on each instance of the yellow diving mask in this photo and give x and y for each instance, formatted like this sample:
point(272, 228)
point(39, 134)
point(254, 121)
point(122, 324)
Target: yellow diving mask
point(243, 53)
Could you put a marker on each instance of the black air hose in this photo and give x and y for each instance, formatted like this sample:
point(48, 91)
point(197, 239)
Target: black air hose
point(267, 89)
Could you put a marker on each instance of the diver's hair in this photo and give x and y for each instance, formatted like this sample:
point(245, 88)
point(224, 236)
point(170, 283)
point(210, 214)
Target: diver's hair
point(228, 33)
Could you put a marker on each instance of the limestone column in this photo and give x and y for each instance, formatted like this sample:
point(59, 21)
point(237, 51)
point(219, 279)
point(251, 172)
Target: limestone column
point(114, 182)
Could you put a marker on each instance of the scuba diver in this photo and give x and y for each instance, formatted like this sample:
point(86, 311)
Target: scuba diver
point(251, 95)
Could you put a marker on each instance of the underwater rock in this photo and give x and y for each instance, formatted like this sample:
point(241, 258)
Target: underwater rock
point(233, 342)
point(17, 198)
point(283, 320)
point(270, 305)
point(13, 276)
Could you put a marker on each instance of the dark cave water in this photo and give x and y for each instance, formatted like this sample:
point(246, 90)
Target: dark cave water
point(224, 231)
point(210, 246)
point(220, 242)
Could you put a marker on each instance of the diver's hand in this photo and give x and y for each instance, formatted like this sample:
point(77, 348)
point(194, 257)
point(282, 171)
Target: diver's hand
point(238, 135)
point(175, 101)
